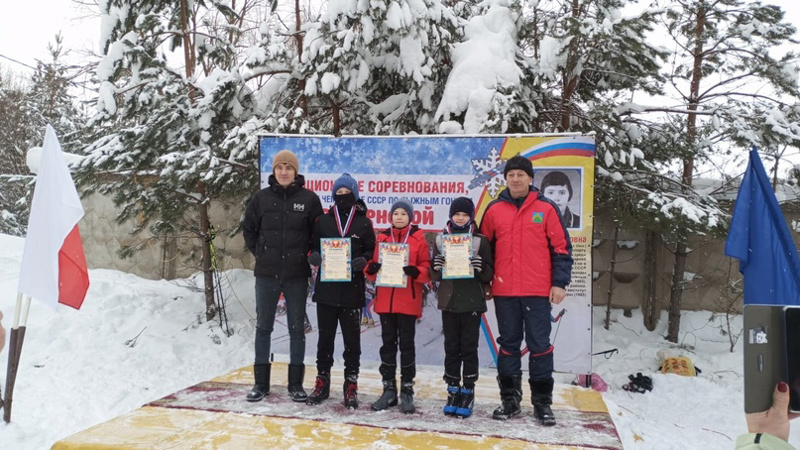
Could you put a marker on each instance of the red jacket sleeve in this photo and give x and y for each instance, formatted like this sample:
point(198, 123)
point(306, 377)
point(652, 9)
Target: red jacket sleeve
point(423, 260)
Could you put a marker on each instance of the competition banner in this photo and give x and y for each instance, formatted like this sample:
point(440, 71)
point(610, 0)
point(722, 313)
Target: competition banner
point(431, 171)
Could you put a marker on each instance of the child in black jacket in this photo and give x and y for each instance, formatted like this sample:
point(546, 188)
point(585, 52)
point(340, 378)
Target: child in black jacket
point(340, 302)
point(463, 302)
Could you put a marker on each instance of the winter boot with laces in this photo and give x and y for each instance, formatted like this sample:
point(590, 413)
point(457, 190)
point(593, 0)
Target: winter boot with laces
point(466, 401)
point(542, 398)
point(322, 389)
point(510, 395)
point(388, 398)
point(452, 400)
point(407, 397)
point(350, 390)
point(261, 387)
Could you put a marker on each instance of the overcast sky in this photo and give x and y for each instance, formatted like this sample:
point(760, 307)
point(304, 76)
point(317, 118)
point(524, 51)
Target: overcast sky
point(27, 27)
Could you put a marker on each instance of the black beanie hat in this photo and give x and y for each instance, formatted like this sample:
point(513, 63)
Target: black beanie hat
point(465, 205)
point(518, 162)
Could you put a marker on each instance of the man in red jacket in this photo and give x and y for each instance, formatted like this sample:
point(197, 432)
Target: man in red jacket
point(532, 268)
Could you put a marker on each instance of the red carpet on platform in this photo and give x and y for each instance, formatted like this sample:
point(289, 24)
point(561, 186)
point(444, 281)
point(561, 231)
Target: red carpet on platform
point(214, 414)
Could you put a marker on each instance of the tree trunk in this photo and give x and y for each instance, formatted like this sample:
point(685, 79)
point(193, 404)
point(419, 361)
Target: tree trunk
point(208, 271)
point(679, 266)
point(607, 322)
point(650, 309)
point(190, 62)
point(676, 291)
point(571, 78)
point(337, 120)
point(298, 37)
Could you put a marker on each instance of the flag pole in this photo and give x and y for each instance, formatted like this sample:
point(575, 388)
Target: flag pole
point(14, 352)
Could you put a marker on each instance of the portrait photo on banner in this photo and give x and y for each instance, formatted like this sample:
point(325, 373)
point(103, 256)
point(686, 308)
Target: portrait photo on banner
point(564, 186)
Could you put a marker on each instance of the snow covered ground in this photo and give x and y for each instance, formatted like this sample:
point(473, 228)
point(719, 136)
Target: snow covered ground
point(137, 340)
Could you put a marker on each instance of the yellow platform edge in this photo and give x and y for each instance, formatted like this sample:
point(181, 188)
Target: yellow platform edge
point(170, 428)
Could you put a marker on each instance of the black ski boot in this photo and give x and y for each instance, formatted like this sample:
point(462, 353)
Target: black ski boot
point(452, 400)
point(510, 395)
point(466, 401)
point(542, 398)
point(261, 387)
point(296, 375)
point(350, 390)
point(322, 389)
point(407, 397)
point(388, 398)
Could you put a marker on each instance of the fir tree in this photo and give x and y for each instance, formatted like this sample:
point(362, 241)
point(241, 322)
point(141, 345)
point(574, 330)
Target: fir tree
point(723, 48)
point(164, 149)
point(378, 67)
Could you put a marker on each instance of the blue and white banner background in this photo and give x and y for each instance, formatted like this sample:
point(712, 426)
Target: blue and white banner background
point(429, 171)
point(433, 170)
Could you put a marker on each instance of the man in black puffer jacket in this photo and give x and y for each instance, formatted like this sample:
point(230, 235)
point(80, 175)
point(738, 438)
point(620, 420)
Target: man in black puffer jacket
point(277, 228)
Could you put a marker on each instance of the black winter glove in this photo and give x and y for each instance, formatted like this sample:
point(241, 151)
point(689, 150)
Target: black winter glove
point(477, 263)
point(373, 268)
point(358, 264)
point(438, 262)
point(315, 259)
point(411, 271)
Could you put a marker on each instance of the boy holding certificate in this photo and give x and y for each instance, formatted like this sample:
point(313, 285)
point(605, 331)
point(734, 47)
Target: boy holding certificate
point(462, 263)
point(342, 242)
point(401, 264)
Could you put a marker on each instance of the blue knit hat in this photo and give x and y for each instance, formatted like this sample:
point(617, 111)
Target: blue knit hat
point(346, 181)
point(405, 204)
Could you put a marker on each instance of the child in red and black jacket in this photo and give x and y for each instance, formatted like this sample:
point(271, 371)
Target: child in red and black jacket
point(463, 302)
point(399, 307)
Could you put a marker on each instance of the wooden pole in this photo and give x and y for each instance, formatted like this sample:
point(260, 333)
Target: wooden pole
point(14, 352)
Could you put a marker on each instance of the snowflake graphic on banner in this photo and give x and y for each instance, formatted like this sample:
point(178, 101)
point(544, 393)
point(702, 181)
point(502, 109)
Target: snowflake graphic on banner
point(489, 172)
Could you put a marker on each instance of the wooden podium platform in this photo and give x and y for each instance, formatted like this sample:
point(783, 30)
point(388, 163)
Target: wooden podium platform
point(214, 414)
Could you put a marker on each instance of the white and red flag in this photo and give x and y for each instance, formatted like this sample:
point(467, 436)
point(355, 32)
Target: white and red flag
point(53, 263)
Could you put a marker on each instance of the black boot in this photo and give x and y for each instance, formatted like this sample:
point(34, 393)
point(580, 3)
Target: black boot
point(296, 374)
point(452, 399)
point(466, 401)
point(511, 396)
point(542, 398)
point(388, 398)
point(261, 386)
point(407, 397)
point(350, 390)
point(322, 389)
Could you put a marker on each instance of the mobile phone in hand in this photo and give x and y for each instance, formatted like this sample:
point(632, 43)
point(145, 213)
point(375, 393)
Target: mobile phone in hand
point(764, 354)
point(791, 331)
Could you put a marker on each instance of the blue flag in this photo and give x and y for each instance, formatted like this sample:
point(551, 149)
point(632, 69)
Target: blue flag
point(760, 240)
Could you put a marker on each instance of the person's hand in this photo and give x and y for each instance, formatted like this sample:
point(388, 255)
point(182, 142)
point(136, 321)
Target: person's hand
point(373, 268)
point(774, 421)
point(358, 264)
point(438, 262)
point(477, 263)
point(411, 271)
point(557, 295)
point(315, 259)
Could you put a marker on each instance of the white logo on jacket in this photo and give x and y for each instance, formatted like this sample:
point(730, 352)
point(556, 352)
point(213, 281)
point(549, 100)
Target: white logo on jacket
point(299, 207)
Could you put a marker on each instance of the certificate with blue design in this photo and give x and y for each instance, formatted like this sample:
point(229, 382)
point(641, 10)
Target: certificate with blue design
point(393, 256)
point(457, 252)
point(336, 260)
